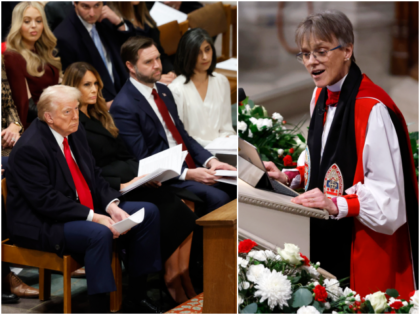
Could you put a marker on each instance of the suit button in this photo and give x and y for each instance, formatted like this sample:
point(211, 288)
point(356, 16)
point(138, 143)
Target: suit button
point(57, 247)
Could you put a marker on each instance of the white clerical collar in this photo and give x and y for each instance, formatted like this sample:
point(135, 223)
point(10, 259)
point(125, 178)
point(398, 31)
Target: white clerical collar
point(87, 25)
point(336, 87)
point(145, 90)
point(57, 137)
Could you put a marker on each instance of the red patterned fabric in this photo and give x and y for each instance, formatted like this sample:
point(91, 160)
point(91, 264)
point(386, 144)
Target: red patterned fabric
point(82, 187)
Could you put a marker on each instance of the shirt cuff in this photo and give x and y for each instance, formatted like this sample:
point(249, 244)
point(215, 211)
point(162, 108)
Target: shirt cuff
point(348, 206)
point(117, 201)
point(183, 175)
point(212, 157)
point(90, 216)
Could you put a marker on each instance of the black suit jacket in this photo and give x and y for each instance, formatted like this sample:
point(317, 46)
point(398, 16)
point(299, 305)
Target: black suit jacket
point(75, 44)
point(117, 163)
point(41, 191)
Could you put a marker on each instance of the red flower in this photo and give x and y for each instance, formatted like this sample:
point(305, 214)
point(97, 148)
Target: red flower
point(241, 104)
point(412, 293)
point(306, 261)
point(321, 294)
point(291, 150)
point(396, 305)
point(288, 161)
point(245, 246)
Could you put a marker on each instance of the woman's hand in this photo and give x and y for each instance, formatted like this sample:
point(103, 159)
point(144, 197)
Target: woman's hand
point(316, 199)
point(167, 78)
point(10, 135)
point(275, 173)
point(131, 181)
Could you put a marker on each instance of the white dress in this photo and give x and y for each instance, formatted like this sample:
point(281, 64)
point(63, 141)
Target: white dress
point(208, 120)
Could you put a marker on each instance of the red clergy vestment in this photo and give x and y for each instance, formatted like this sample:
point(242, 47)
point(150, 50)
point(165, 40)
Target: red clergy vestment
point(378, 261)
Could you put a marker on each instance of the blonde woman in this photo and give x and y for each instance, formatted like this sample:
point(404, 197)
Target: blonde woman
point(29, 59)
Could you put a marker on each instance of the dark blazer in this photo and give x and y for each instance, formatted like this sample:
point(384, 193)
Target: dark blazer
point(142, 130)
point(41, 191)
point(112, 156)
point(75, 44)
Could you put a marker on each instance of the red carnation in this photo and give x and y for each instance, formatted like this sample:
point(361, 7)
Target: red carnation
point(321, 294)
point(245, 246)
point(306, 261)
point(396, 305)
point(412, 293)
point(291, 150)
point(288, 161)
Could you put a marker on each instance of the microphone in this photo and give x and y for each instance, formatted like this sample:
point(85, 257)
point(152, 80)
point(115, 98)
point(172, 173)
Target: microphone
point(242, 95)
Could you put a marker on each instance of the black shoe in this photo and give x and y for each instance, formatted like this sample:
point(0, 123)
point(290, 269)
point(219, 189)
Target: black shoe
point(9, 298)
point(145, 306)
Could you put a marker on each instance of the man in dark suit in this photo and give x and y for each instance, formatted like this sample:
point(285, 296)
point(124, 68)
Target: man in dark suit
point(146, 115)
point(94, 33)
point(58, 202)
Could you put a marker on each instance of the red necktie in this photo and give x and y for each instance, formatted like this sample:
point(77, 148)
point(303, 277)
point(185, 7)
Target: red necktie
point(171, 126)
point(332, 100)
point(82, 187)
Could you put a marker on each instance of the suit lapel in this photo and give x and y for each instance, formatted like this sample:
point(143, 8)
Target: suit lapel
point(144, 105)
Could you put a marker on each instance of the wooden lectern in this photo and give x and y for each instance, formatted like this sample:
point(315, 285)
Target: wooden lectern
point(220, 250)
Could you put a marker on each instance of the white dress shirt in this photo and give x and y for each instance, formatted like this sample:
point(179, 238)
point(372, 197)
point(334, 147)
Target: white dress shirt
point(204, 120)
point(381, 196)
point(107, 55)
point(146, 91)
point(59, 138)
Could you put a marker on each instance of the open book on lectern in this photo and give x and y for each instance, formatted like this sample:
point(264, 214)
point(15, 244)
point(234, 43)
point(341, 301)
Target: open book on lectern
point(159, 167)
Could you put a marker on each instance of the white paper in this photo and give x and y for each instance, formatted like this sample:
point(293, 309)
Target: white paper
point(226, 173)
point(231, 181)
point(163, 14)
point(131, 221)
point(170, 159)
point(230, 64)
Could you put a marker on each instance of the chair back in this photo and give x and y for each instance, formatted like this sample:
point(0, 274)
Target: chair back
point(170, 35)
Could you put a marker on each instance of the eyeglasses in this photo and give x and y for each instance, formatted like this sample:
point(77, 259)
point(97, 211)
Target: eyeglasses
point(320, 55)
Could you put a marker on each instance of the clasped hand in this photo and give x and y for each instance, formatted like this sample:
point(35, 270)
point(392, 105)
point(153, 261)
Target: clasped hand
point(117, 214)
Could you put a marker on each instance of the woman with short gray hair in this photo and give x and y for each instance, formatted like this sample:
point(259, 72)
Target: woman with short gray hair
point(358, 166)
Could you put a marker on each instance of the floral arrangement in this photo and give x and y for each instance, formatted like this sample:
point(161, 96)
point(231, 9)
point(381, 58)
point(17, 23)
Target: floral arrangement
point(270, 135)
point(414, 141)
point(287, 282)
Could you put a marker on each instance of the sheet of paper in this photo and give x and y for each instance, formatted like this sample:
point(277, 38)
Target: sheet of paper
point(131, 221)
point(231, 181)
point(230, 64)
point(170, 159)
point(163, 14)
point(226, 173)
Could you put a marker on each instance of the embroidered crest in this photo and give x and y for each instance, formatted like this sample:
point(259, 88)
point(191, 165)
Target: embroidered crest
point(333, 182)
point(307, 167)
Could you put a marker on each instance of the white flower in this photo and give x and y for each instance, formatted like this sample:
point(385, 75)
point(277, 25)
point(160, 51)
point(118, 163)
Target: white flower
point(318, 264)
point(242, 262)
point(269, 254)
point(392, 300)
point(280, 152)
point(308, 310)
point(240, 299)
point(333, 288)
point(247, 109)
point(290, 253)
point(253, 120)
point(250, 133)
point(327, 305)
point(284, 127)
point(267, 122)
point(378, 301)
point(242, 126)
point(258, 255)
point(357, 298)
point(312, 271)
point(245, 285)
point(254, 272)
point(278, 257)
point(275, 288)
point(277, 116)
point(415, 301)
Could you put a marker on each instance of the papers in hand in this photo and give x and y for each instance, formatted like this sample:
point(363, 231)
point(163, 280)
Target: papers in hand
point(229, 177)
point(131, 221)
point(159, 167)
point(163, 14)
point(223, 145)
point(230, 64)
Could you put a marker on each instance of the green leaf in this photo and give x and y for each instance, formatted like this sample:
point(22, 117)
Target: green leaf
point(301, 138)
point(392, 293)
point(370, 308)
point(250, 309)
point(319, 306)
point(302, 297)
point(414, 135)
point(295, 280)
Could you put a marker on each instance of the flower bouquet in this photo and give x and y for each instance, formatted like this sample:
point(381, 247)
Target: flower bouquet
point(287, 282)
point(270, 135)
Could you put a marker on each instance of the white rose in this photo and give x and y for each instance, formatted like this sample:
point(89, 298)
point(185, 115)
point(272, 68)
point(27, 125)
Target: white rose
point(254, 272)
point(242, 126)
point(280, 152)
point(327, 305)
point(240, 299)
point(245, 285)
point(378, 301)
point(242, 262)
point(290, 253)
point(258, 255)
point(308, 310)
point(277, 116)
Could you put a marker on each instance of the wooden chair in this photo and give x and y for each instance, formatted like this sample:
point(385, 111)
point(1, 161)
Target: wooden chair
point(46, 262)
point(215, 19)
point(170, 34)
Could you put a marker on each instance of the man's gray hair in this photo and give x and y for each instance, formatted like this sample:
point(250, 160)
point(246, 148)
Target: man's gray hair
point(325, 26)
point(54, 95)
